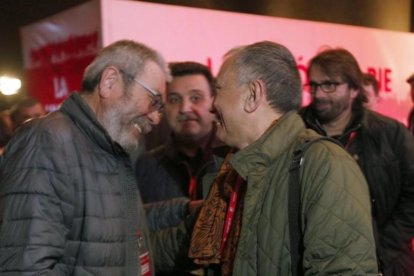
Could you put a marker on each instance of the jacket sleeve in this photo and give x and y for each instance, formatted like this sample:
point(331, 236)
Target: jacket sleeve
point(396, 236)
point(170, 246)
point(336, 214)
point(32, 229)
point(167, 213)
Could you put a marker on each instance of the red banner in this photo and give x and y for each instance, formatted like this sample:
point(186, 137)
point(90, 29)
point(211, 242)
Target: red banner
point(58, 68)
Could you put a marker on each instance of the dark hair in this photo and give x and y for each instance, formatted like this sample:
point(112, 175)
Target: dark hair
point(274, 64)
point(369, 79)
point(5, 129)
point(180, 69)
point(341, 63)
point(17, 109)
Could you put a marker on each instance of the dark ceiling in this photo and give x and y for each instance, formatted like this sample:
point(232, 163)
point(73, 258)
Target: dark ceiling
point(13, 15)
point(17, 13)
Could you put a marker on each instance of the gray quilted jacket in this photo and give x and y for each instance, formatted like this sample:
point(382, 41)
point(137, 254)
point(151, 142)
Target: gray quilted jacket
point(335, 211)
point(69, 203)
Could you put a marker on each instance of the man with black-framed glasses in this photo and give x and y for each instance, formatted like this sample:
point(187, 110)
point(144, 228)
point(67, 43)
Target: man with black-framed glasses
point(382, 146)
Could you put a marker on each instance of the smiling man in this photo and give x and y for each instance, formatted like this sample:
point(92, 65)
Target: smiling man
point(243, 224)
point(176, 168)
point(69, 204)
point(382, 146)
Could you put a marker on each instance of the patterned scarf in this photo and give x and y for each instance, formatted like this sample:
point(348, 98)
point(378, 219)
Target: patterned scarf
point(206, 241)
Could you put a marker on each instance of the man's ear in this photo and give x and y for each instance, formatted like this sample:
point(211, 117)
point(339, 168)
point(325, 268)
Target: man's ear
point(109, 78)
point(255, 96)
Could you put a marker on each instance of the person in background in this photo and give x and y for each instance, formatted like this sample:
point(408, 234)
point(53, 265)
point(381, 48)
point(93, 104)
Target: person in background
point(243, 224)
point(410, 81)
point(6, 129)
point(69, 203)
point(382, 146)
point(372, 91)
point(176, 168)
point(25, 109)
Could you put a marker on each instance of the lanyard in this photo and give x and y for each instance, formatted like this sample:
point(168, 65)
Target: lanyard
point(350, 139)
point(230, 211)
point(192, 188)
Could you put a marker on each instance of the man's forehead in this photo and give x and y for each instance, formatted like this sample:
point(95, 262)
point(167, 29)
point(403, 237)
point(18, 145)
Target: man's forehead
point(324, 73)
point(151, 67)
point(227, 74)
point(188, 84)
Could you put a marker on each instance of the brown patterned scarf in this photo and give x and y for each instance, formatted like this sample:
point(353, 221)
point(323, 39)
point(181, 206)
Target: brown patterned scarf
point(206, 240)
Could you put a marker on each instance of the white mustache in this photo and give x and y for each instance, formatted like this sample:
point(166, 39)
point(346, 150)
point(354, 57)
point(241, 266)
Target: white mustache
point(143, 123)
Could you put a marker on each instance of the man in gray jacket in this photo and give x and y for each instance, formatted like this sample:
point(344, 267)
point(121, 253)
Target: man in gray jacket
point(69, 204)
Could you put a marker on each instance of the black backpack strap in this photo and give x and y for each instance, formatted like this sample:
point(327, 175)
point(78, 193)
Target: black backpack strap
point(295, 233)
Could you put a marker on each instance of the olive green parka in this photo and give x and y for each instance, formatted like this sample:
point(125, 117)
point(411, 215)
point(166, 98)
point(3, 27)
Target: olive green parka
point(335, 207)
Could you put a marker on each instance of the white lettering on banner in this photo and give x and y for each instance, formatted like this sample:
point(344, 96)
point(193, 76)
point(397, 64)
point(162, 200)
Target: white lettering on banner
point(51, 107)
point(206, 35)
point(60, 87)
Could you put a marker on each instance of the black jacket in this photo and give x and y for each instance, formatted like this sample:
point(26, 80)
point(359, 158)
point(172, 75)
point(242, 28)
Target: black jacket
point(164, 173)
point(411, 121)
point(384, 150)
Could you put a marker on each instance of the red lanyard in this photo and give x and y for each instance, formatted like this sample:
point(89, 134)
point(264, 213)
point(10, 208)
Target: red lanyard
point(350, 139)
point(192, 188)
point(230, 211)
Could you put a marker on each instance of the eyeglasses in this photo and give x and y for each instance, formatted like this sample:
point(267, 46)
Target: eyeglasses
point(326, 86)
point(156, 99)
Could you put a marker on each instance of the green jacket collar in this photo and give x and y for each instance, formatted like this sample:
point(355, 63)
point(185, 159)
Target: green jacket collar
point(275, 141)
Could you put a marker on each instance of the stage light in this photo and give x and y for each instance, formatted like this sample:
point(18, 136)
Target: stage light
point(9, 85)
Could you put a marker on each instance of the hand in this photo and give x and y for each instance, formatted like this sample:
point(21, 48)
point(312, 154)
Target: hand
point(194, 206)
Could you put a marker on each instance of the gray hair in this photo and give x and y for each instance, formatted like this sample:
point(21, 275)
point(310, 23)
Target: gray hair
point(276, 67)
point(126, 55)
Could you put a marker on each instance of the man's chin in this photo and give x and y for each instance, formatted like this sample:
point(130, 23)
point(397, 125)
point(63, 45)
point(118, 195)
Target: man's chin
point(130, 143)
point(133, 148)
point(324, 117)
point(189, 131)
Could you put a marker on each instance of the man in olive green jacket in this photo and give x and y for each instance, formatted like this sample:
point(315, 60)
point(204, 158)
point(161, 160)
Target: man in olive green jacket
point(246, 230)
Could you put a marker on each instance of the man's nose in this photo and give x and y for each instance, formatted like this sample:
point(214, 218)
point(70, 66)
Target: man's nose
point(186, 106)
point(319, 93)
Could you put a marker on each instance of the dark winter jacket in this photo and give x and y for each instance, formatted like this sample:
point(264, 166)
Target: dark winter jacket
point(69, 204)
point(164, 173)
point(335, 208)
point(384, 150)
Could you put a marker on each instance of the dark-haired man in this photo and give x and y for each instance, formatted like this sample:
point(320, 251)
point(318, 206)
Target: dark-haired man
point(371, 88)
point(26, 109)
point(383, 148)
point(176, 168)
